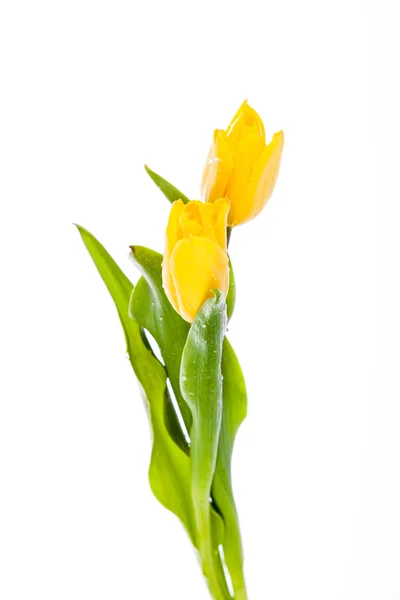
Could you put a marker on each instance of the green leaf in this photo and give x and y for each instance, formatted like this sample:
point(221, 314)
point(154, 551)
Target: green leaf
point(234, 411)
point(170, 467)
point(201, 384)
point(151, 308)
point(116, 281)
point(170, 191)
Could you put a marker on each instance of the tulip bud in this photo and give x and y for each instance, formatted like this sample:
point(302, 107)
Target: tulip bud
point(195, 258)
point(242, 167)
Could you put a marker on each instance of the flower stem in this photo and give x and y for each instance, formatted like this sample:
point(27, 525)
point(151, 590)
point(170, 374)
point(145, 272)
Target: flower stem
point(211, 561)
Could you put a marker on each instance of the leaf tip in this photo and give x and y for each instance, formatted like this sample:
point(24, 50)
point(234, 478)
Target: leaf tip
point(136, 255)
point(81, 229)
point(218, 295)
point(149, 172)
point(132, 253)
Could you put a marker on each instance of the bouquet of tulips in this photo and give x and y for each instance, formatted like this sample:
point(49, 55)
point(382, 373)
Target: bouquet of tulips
point(196, 396)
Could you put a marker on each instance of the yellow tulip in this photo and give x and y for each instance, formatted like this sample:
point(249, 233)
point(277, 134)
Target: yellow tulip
point(195, 258)
point(242, 167)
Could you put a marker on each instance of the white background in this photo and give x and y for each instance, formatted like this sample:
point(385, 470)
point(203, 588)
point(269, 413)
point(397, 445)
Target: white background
point(89, 92)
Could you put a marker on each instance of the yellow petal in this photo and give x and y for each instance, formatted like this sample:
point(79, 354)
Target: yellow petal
point(172, 236)
point(245, 158)
point(189, 225)
point(220, 221)
point(197, 266)
point(262, 183)
point(246, 123)
point(217, 169)
point(198, 219)
point(205, 219)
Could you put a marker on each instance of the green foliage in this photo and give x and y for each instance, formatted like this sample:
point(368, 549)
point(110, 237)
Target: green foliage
point(234, 411)
point(170, 469)
point(201, 383)
point(151, 308)
point(170, 191)
point(181, 474)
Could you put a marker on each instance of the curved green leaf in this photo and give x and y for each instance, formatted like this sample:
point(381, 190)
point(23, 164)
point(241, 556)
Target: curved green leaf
point(117, 283)
point(201, 384)
point(170, 191)
point(234, 411)
point(170, 467)
point(151, 308)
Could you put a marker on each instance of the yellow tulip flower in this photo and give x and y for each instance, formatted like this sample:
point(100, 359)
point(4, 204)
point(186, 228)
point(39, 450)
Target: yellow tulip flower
point(242, 167)
point(195, 258)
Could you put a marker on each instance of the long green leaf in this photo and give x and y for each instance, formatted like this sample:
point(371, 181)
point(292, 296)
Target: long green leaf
point(170, 191)
point(234, 411)
point(201, 384)
point(170, 467)
point(151, 308)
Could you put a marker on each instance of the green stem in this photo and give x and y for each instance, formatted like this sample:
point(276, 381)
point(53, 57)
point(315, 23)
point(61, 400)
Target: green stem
point(211, 561)
point(232, 544)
